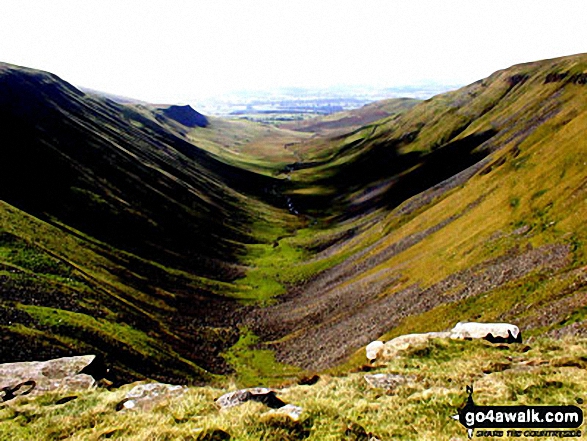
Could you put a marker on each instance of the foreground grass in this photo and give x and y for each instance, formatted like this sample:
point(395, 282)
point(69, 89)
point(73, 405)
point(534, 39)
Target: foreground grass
point(337, 407)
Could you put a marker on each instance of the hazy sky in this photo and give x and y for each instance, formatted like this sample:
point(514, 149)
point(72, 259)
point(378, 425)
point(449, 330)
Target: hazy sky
point(180, 50)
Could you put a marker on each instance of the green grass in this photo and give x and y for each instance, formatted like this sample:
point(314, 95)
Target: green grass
point(254, 365)
point(530, 194)
point(543, 372)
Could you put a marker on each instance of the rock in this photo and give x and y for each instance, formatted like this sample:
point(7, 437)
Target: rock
point(148, 395)
point(386, 381)
point(373, 349)
point(493, 332)
point(260, 394)
point(404, 342)
point(288, 410)
point(62, 374)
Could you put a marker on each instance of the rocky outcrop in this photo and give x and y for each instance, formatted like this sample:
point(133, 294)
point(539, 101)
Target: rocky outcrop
point(405, 342)
point(493, 332)
point(67, 374)
point(557, 77)
point(259, 394)
point(146, 396)
point(185, 115)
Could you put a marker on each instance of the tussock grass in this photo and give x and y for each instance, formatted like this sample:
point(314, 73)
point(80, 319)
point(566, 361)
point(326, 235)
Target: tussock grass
point(340, 407)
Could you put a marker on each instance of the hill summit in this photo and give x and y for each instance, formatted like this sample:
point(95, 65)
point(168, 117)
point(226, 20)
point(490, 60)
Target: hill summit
point(185, 115)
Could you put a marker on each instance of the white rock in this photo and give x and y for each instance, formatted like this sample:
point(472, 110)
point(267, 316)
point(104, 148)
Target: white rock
point(373, 349)
point(289, 410)
point(148, 395)
point(386, 381)
point(404, 342)
point(62, 374)
point(130, 404)
point(489, 331)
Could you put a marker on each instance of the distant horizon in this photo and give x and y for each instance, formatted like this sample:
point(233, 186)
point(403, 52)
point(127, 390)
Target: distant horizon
point(418, 91)
point(185, 50)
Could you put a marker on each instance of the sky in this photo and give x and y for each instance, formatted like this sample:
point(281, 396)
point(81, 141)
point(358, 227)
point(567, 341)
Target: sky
point(175, 51)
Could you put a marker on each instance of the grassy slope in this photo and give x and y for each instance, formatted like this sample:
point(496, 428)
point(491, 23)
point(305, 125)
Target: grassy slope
point(467, 206)
point(337, 407)
point(118, 236)
point(502, 241)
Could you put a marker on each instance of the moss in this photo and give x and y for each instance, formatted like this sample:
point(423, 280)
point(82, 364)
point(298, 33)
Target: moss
point(254, 365)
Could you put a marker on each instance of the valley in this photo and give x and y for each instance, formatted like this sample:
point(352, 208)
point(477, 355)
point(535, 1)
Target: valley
point(238, 250)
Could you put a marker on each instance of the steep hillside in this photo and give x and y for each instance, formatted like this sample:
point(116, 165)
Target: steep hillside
point(119, 237)
point(470, 206)
point(180, 252)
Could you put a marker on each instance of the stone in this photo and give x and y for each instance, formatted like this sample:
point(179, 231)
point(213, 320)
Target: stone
point(493, 332)
point(386, 381)
point(288, 410)
point(404, 342)
point(259, 394)
point(148, 395)
point(62, 374)
point(373, 349)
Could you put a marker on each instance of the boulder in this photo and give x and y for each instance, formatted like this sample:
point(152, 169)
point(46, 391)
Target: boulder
point(288, 410)
point(409, 341)
point(65, 374)
point(148, 395)
point(259, 394)
point(373, 349)
point(493, 332)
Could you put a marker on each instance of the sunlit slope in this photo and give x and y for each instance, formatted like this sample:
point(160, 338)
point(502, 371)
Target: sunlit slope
point(391, 159)
point(490, 224)
point(130, 235)
point(118, 236)
point(261, 148)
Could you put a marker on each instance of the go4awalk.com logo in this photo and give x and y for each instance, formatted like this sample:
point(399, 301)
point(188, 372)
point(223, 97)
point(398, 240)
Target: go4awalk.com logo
point(519, 421)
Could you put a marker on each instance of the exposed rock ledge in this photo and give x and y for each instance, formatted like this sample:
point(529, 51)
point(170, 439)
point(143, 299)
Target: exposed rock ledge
point(35, 377)
point(493, 332)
